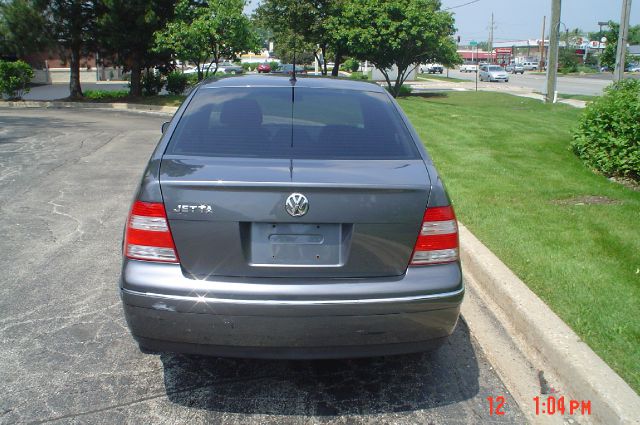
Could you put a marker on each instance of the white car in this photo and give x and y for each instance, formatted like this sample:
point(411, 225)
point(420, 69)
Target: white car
point(431, 68)
point(493, 73)
point(469, 68)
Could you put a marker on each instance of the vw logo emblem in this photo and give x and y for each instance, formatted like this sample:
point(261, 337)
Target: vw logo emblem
point(297, 205)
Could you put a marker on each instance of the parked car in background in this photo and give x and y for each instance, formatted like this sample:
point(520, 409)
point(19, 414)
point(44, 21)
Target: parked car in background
point(190, 70)
point(515, 68)
point(530, 66)
point(287, 68)
point(468, 68)
point(264, 68)
point(431, 68)
point(273, 228)
point(229, 68)
point(493, 73)
point(633, 67)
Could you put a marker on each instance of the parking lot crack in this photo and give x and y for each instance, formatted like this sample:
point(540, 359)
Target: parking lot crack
point(57, 210)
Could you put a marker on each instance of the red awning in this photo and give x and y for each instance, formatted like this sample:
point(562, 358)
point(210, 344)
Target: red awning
point(467, 55)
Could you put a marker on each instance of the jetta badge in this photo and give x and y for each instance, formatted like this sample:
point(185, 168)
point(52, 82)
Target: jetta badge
point(297, 205)
point(202, 209)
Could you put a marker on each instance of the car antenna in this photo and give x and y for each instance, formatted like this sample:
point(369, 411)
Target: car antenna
point(293, 73)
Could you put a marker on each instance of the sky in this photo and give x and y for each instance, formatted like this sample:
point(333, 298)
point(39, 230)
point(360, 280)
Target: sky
point(522, 19)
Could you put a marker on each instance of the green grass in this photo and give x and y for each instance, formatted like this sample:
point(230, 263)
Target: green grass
point(509, 171)
point(577, 96)
point(439, 77)
point(105, 95)
point(122, 96)
point(359, 75)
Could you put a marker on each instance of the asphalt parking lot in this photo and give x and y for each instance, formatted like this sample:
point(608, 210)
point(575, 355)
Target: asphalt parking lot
point(66, 182)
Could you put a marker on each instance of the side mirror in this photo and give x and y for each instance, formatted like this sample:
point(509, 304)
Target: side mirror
point(165, 125)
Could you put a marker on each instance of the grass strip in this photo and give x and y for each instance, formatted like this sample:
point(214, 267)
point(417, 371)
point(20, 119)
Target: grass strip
point(571, 235)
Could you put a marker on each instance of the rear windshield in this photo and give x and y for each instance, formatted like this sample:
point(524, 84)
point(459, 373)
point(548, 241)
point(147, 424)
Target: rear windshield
point(281, 122)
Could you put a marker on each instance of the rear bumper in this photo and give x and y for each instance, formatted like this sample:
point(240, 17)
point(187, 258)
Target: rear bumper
point(289, 318)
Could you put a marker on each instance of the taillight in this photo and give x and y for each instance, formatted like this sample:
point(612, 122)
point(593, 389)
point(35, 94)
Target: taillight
point(148, 236)
point(438, 238)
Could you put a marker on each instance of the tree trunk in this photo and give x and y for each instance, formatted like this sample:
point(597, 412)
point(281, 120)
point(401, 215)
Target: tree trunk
point(324, 59)
point(336, 67)
point(75, 91)
point(386, 77)
point(136, 72)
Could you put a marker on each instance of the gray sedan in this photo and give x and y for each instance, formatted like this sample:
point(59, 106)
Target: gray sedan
point(290, 219)
point(493, 73)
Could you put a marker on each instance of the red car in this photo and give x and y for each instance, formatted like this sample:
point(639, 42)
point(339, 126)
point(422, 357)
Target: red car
point(264, 67)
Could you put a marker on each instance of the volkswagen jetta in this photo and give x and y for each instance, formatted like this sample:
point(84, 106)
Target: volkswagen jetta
point(290, 219)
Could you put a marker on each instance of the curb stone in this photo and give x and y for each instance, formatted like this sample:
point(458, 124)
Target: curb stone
point(586, 376)
point(122, 107)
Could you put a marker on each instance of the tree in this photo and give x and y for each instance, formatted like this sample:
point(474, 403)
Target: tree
point(206, 31)
point(126, 29)
point(72, 25)
point(290, 45)
point(608, 56)
point(568, 60)
point(483, 45)
point(22, 28)
point(303, 25)
point(403, 33)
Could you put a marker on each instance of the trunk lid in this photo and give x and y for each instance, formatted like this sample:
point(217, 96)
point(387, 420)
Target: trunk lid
point(228, 216)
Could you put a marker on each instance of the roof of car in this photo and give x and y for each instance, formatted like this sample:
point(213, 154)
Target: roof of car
point(284, 81)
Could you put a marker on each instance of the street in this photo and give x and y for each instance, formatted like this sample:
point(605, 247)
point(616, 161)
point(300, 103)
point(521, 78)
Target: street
point(585, 85)
point(66, 182)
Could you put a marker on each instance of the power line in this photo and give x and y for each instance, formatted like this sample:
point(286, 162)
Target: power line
point(460, 5)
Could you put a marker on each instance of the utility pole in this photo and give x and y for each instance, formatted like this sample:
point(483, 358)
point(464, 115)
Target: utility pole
point(552, 68)
point(544, 22)
point(622, 41)
point(491, 40)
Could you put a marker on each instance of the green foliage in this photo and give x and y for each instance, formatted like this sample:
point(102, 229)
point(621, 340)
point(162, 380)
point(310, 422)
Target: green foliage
point(72, 23)
point(126, 29)
point(608, 56)
point(177, 82)
point(192, 79)
point(351, 65)
point(483, 45)
point(358, 75)
point(200, 31)
point(301, 26)
point(398, 33)
point(273, 65)
point(22, 28)
point(249, 66)
point(608, 135)
point(14, 79)
point(106, 94)
point(152, 83)
point(403, 91)
point(568, 60)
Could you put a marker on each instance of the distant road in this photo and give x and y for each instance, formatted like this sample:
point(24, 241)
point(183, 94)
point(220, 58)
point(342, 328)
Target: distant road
point(586, 85)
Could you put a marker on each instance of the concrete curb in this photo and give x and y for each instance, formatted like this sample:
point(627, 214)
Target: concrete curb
point(122, 107)
point(585, 375)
